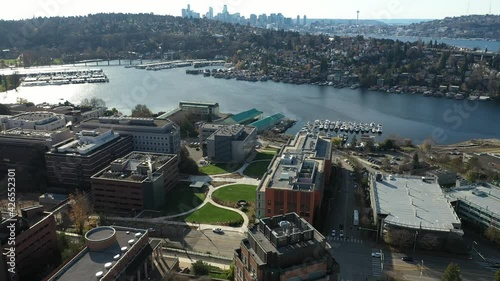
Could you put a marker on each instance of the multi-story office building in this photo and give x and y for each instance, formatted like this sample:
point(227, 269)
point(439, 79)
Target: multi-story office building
point(37, 120)
point(207, 129)
point(200, 108)
point(35, 243)
point(296, 178)
point(112, 253)
point(231, 143)
point(135, 182)
point(71, 163)
point(284, 247)
point(148, 134)
point(24, 151)
point(477, 204)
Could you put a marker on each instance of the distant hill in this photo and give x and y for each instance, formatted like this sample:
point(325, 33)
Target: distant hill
point(468, 27)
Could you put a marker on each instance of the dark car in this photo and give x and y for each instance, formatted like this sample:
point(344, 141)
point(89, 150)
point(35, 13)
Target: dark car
point(407, 259)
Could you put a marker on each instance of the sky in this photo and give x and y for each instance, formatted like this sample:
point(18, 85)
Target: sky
point(334, 9)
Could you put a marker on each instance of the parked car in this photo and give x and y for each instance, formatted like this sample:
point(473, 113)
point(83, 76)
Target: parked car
point(341, 233)
point(218, 230)
point(333, 232)
point(376, 255)
point(407, 259)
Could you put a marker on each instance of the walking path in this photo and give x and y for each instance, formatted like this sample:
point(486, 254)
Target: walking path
point(208, 199)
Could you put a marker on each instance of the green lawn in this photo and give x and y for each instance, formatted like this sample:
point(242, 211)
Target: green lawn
point(231, 194)
point(182, 198)
point(211, 214)
point(219, 168)
point(265, 155)
point(256, 169)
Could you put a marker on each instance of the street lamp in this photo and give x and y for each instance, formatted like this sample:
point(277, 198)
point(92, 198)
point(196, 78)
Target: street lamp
point(415, 243)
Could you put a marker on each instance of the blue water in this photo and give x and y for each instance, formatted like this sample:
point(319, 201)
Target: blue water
point(493, 46)
point(405, 115)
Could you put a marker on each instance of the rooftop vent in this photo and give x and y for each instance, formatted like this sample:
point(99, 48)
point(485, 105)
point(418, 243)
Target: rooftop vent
point(138, 234)
point(116, 257)
point(131, 242)
point(124, 249)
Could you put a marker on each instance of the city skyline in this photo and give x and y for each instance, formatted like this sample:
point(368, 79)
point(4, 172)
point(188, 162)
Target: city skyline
point(315, 9)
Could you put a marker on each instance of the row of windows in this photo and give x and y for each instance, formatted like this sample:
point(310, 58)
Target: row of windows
point(150, 137)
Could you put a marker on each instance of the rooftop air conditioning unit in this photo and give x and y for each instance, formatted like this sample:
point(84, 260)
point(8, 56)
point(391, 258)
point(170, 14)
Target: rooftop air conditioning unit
point(131, 242)
point(124, 249)
point(99, 275)
point(108, 265)
point(116, 257)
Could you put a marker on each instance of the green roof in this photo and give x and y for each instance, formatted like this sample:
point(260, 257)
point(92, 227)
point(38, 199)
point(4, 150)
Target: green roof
point(243, 117)
point(268, 121)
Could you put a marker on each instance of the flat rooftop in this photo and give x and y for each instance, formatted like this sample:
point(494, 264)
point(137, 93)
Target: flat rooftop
point(127, 121)
point(88, 263)
point(414, 203)
point(134, 167)
point(300, 164)
point(29, 133)
point(486, 196)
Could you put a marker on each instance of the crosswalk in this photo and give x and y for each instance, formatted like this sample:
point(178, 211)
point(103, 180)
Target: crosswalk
point(491, 264)
point(376, 264)
point(350, 240)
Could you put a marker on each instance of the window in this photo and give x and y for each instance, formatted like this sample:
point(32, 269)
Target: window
point(268, 202)
point(269, 210)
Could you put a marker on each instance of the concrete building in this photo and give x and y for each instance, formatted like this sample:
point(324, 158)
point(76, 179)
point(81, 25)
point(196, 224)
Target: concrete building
point(112, 253)
point(135, 182)
point(35, 243)
point(207, 129)
point(24, 150)
point(413, 205)
point(148, 134)
point(284, 247)
point(71, 163)
point(231, 143)
point(200, 108)
point(296, 178)
point(38, 120)
point(477, 204)
point(443, 177)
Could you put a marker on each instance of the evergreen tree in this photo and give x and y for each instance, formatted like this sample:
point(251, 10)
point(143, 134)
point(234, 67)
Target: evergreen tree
point(416, 161)
point(452, 273)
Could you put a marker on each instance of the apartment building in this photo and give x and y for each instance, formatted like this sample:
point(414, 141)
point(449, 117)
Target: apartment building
point(281, 248)
point(296, 178)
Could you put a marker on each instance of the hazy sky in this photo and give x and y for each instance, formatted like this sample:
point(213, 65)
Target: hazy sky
point(369, 9)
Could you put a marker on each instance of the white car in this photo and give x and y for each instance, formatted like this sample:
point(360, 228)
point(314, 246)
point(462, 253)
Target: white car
point(218, 230)
point(341, 233)
point(333, 232)
point(376, 254)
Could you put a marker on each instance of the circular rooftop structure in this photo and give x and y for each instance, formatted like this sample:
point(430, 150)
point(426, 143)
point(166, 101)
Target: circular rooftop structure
point(100, 238)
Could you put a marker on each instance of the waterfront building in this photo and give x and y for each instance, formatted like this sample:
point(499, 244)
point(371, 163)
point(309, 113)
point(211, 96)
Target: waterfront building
point(244, 117)
point(35, 243)
point(24, 151)
point(148, 134)
point(37, 120)
point(200, 108)
point(135, 182)
point(231, 143)
point(477, 204)
point(296, 178)
point(416, 206)
point(71, 163)
point(283, 247)
point(267, 122)
point(112, 253)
